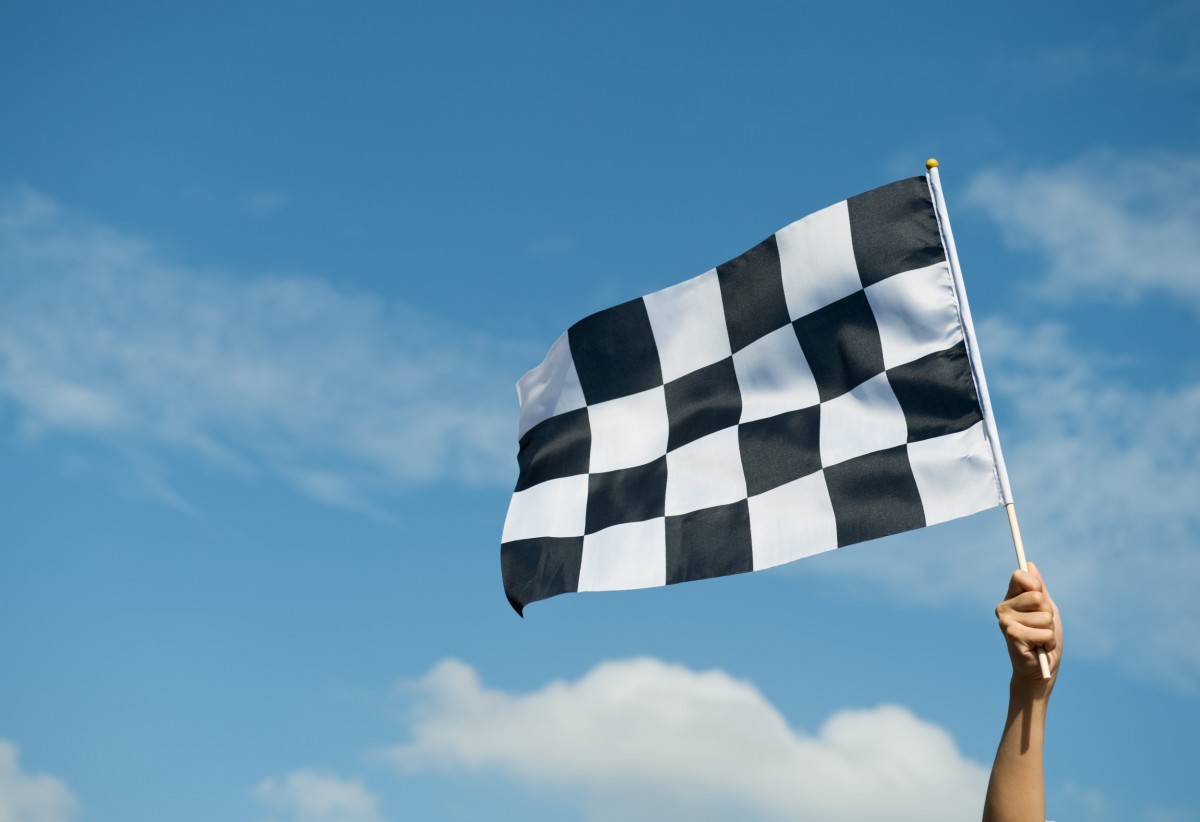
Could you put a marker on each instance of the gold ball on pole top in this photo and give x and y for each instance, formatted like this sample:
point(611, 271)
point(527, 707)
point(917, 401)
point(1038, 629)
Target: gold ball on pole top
point(931, 163)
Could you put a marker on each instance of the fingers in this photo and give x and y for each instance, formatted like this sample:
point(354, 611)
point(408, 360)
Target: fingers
point(1019, 617)
point(1033, 619)
point(1029, 601)
point(1034, 570)
point(1030, 636)
point(1027, 615)
point(1030, 623)
point(1026, 594)
point(1024, 581)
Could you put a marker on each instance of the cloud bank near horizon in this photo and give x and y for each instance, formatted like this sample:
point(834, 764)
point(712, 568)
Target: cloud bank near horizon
point(312, 796)
point(642, 738)
point(32, 797)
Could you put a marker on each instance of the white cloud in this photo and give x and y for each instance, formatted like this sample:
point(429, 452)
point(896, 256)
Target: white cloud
point(339, 392)
point(26, 797)
point(1109, 225)
point(645, 739)
point(310, 796)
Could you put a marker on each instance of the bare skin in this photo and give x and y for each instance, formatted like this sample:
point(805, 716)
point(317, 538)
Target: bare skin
point(1029, 619)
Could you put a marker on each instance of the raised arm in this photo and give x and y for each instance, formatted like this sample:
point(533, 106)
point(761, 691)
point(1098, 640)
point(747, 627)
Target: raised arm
point(1029, 619)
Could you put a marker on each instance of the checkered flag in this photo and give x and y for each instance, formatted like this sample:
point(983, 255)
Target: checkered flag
point(821, 389)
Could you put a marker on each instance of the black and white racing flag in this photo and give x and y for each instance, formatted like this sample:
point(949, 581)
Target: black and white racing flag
point(821, 389)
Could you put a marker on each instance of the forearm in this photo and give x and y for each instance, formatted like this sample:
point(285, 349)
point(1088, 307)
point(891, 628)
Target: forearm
point(1016, 792)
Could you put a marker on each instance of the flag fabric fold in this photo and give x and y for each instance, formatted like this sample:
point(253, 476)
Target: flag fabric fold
point(815, 392)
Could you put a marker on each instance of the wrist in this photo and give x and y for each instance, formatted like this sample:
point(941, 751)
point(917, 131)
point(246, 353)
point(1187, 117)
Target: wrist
point(1028, 690)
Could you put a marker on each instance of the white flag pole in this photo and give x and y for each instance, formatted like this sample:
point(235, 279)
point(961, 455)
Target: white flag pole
point(985, 400)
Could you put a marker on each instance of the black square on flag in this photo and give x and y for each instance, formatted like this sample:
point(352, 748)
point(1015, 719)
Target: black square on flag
point(874, 495)
point(894, 229)
point(841, 343)
point(540, 568)
point(702, 402)
point(711, 542)
point(752, 293)
point(614, 352)
point(626, 495)
point(554, 448)
point(779, 449)
point(937, 393)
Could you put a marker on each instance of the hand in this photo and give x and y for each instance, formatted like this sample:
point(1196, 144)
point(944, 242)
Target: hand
point(1029, 620)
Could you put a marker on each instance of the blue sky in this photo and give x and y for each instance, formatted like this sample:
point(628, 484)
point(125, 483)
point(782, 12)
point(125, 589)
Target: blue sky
point(268, 274)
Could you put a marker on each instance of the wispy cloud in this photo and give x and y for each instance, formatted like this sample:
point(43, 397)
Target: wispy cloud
point(1104, 471)
point(311, 796)
point(552, 246)
point(1107, 473)
point(1109, 226)
point(263, 203)
point(28, 797)
point(643, 739)
point(1105, 480)
point(1160, 48)
point(341, 393)
point(257, 203)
